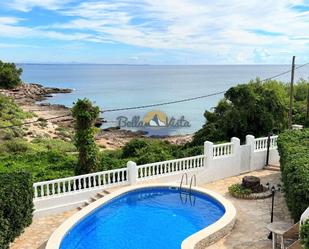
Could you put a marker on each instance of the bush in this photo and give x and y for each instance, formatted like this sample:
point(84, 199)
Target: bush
point(9, 75)
point(304, 234)
point(11, 114)
point(237, 190)
point(254, 108)
point(293, 148)
point(14, 146)
point(16, 206)
point(131, 148)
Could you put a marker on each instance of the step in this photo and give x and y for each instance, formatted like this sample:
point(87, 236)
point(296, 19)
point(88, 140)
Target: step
point(272, 167)
point(93, 199)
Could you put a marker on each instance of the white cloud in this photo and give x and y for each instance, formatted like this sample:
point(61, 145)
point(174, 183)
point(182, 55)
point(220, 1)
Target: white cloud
point(27, 5)
point(219, 29)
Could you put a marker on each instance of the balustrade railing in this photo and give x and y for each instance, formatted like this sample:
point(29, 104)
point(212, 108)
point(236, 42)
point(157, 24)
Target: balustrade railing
point(158, 169)
point(261, 143)
point(80, 183)
point(220, 150)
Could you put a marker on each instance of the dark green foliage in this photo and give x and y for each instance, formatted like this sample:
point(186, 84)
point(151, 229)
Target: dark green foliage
point(9, 75)
point(254, 108)
point(304, 234)
point(131, 148)
point(11, 114)
point(85, 115)
point(293, 148)
point(16, 206)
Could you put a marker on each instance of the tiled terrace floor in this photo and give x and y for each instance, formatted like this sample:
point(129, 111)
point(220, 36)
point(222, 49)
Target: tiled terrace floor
point(248, 233)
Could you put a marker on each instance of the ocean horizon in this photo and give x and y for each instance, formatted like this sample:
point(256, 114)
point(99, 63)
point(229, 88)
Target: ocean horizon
point(113, 86)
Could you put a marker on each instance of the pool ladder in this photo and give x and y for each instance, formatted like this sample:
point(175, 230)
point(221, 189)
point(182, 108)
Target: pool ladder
point(192, 181)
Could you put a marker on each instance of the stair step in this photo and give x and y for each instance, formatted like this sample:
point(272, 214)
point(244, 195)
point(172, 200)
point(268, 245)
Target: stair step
point(93, 199)
point(273, 168)
point(100, 195)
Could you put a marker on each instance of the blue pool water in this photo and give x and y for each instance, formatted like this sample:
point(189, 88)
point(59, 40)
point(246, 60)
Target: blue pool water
point(149, 218)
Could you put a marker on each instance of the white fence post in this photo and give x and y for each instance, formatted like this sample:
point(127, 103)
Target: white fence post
point(250, 141)
point(132, 172)
point(208, 153)
point(236, 153)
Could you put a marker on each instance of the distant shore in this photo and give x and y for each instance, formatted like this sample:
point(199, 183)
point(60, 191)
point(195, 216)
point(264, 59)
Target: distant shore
point(30, 96)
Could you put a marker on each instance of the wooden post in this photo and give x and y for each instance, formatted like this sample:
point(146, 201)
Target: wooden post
point(291, 93)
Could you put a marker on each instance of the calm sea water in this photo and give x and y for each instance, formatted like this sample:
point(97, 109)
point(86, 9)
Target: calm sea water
point(114, 86)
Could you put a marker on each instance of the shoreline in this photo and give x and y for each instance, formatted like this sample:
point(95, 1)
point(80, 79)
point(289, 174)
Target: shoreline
point(29, 97)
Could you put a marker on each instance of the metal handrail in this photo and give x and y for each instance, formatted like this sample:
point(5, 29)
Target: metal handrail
point(181, 182)
point(191, 181)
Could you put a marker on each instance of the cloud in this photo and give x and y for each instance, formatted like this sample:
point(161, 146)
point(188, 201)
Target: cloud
point(240, 31)
point(27, 5)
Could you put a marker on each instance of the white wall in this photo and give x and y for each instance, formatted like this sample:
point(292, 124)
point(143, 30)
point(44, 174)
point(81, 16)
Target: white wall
point(233, 159)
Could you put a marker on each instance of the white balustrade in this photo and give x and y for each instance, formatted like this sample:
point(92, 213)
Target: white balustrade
point(220, 150)
point(260, 144)
point(80, 183)
point(153, 170)
point(133, 173)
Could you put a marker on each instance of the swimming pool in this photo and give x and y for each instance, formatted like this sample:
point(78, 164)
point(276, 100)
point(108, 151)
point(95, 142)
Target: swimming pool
point(156, 217)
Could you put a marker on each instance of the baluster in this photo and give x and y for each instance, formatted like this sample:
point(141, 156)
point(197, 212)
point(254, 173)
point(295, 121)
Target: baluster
point(104, 179)
point(99, 179)
point(35, 192)
point(47, 189)
point(151, 171)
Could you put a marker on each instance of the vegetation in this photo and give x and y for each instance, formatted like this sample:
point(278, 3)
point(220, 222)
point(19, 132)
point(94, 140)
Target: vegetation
point(9, 75)
point(11, 114)
point(46, 159)
point(304, 234)
point(293, 148)
point(16, 206)
point(255, 108)
point(85, 115)
point(238, 191)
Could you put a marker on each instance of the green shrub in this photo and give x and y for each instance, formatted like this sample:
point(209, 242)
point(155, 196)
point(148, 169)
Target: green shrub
point(304, 234)
point(9, 75)
point(293, 148)
point(14, 146)
point(16, 206)
point(237, 190)
point(53, 144)
point(131, 148)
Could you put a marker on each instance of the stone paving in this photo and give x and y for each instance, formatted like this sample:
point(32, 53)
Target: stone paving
point(249, 230)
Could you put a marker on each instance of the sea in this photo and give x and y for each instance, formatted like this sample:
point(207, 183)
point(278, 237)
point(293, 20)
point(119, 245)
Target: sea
point(122, 86)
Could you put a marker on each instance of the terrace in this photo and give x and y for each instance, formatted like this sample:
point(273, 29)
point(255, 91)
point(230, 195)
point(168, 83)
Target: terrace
point(220, 166)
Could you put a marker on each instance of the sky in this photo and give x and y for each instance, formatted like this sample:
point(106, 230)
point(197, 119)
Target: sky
point(154, 31)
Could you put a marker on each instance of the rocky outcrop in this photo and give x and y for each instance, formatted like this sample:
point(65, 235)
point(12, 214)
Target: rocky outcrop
point(30, 93)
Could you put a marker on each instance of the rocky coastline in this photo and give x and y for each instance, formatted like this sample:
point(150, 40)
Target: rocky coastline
point(30, 96)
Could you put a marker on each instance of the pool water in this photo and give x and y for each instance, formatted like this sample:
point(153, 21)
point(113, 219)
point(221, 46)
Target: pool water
point(148, 218)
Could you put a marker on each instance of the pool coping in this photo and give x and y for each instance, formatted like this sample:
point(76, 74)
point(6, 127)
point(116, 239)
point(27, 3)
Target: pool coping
point(198, 240)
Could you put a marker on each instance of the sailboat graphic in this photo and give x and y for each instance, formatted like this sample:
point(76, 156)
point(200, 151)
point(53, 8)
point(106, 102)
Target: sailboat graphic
point(155, 119)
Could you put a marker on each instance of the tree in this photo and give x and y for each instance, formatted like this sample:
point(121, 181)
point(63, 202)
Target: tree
point(9, 75)
point(254, 108)
point(85, 115)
